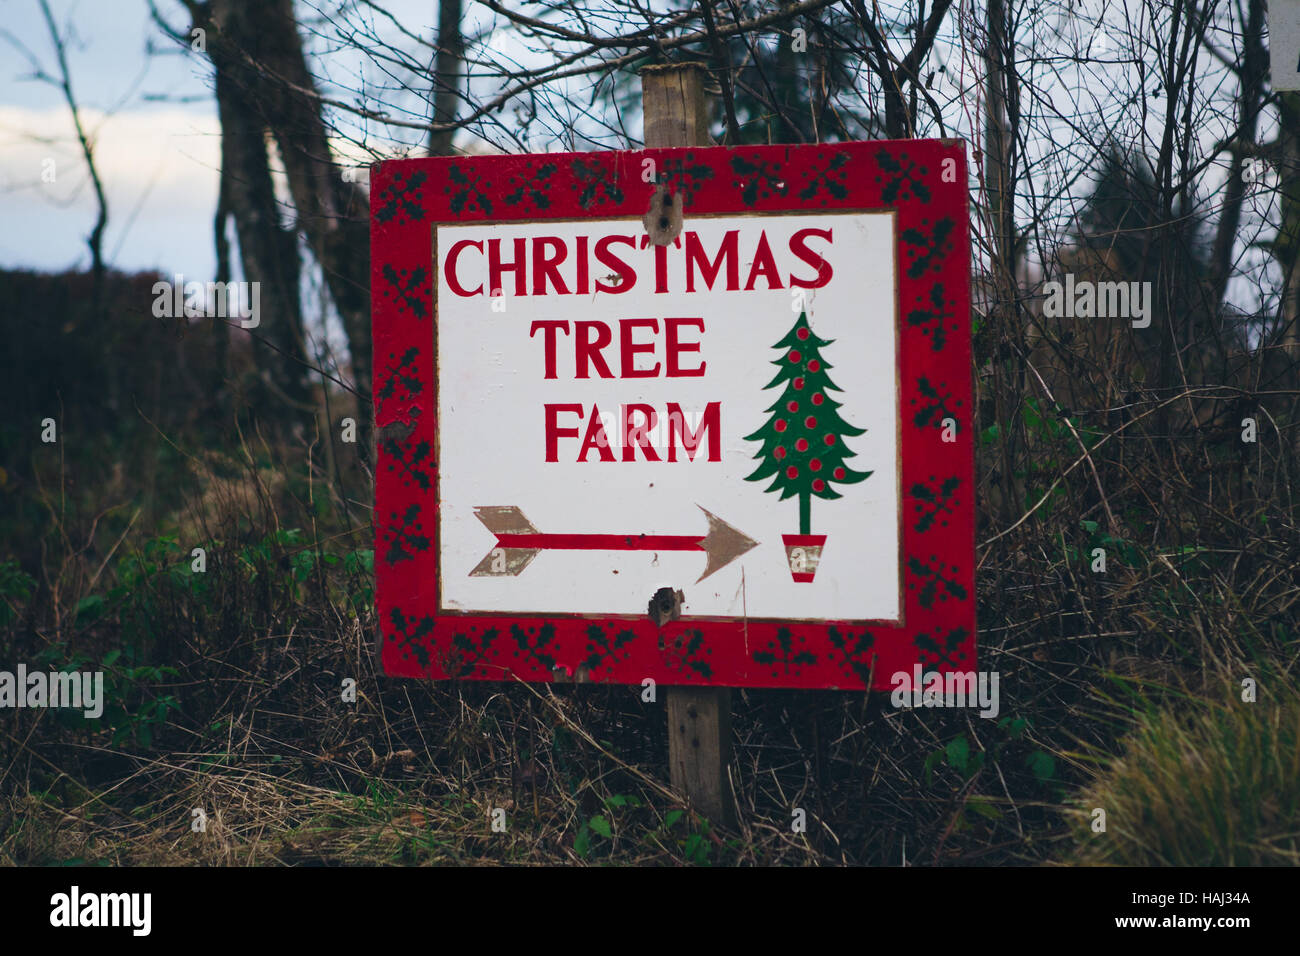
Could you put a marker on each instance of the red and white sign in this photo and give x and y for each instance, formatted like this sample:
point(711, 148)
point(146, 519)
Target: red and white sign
point(769, 415)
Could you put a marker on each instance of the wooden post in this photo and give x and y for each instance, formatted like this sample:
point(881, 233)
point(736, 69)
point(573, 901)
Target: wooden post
point(699, 718)
point(672, 99)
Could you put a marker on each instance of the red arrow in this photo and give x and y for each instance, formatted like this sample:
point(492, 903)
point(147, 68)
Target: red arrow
point(604, 542)
point(518, 542)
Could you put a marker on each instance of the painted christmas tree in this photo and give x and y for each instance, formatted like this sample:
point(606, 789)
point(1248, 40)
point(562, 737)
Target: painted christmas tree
point(803, 449)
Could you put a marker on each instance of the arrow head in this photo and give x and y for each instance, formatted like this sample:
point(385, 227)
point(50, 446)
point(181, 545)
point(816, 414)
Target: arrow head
point(504, 562)
point(723, 544)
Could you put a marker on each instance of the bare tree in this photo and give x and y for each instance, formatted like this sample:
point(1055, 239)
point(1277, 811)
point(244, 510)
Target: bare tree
point(1167, 98)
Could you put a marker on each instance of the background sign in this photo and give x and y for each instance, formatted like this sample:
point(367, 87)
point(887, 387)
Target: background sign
point(769, 415)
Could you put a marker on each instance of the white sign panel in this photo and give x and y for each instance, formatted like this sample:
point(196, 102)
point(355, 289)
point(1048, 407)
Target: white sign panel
point(601, 421)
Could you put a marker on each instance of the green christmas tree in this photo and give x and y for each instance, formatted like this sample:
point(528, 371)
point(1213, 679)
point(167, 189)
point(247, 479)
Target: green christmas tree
point(803, 442)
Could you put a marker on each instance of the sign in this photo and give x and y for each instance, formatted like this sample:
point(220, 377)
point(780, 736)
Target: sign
point(1284, 44)
point(741, 457)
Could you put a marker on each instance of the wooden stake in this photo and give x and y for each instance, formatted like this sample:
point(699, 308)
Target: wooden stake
point(672, 99)
point(699, 748)
point(699, 718)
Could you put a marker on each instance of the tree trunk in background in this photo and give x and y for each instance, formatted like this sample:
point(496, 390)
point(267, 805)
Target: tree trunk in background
point(787, 83)
point(998, 164)
point(1254, 63)
point(446, 86)
point(1288, 240)
point(1287, 245)
point(268, 252)
point(258, 47)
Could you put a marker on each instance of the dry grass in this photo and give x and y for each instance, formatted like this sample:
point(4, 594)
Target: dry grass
point(1215, 782)
point(1201, 589)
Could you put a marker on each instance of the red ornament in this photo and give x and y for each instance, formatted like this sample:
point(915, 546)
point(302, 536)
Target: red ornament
point(803, 334)
point(794, 355)
point(779, 424)
point(830, 439)
point(815, 464)
point(810, 422)
point(819, 485)
point(792, 472)
point(814, 366)
point(818, 398)
point(793, 407)
point(839, 474)
point(798, 384)
point(801, 445)
point(779, 453)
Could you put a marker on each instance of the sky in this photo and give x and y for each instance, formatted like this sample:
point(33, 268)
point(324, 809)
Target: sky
point(156, 138)
point(150, 111)
point(149, 107)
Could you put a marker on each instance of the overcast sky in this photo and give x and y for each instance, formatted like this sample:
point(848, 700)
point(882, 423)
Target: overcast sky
point(157, 138)
point(155, 128)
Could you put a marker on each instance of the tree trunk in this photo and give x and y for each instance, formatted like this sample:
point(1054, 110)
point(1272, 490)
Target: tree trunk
point(268, 252)
point(446, 88)
point(998, 167)
point(257, 45)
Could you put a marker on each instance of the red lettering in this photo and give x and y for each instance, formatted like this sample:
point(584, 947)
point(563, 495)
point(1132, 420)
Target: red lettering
point(763, 265)
point(449, 268)
point(545, 266)
point(584, 267)
point(634, 438)
point(628, 350)
point(627, 275)
point(596, 438)
point(800, 249)
point(709, 421)
point(548, 327)
point(661, 262)
point(728, 251)
point(674, 347)
point(519, 267)
point(592, 337)
point(587, 351)
point(553, 432)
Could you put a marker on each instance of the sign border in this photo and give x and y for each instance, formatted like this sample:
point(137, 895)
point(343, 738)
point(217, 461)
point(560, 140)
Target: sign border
point(410, 198)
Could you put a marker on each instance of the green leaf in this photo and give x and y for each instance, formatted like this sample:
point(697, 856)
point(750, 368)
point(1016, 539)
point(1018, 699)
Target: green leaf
point(582, 842)
point(983, 808)
point(112, 656)
point(1041, 765)
point(696, 849)
point(930, 761)
point(601, 825)
point(90, 607)
point(958, 752)
point(671, 817)
point(619, 800)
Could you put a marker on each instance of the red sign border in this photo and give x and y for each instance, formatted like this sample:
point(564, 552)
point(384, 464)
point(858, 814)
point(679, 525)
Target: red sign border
point(924, 182)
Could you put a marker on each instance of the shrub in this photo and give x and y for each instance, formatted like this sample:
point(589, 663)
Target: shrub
point(1213, 783)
